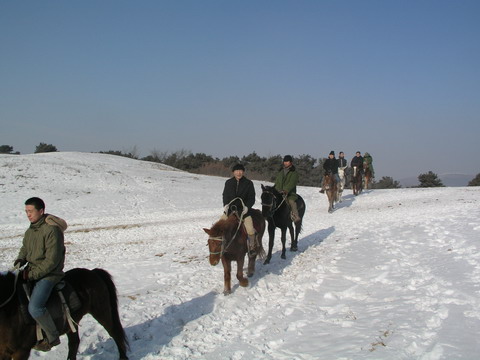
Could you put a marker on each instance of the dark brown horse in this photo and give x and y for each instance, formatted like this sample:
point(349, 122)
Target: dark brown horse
point(228, 242)
point(331, 190)
point(97, 294)
point(367, 175)
point(357, 181)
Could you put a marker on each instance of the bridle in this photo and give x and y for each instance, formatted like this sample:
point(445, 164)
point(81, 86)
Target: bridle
point(240, 216)
point(273, 205)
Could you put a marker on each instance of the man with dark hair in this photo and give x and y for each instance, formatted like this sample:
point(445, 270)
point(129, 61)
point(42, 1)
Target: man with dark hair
point(330, 166)
point(286, 183)
point(239, 186)
point(357, 161)
point(44, 251)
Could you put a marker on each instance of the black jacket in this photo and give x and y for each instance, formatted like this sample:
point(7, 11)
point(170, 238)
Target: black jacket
point(243, 189)
point(358, 162)
point(331, 165)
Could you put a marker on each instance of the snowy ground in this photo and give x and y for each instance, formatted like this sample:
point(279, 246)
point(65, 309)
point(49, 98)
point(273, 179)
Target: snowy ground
point(390, 274)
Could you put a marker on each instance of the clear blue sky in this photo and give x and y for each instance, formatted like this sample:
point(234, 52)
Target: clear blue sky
point(399, 79)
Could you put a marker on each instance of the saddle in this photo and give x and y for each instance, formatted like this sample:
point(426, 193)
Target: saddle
point(62, 302)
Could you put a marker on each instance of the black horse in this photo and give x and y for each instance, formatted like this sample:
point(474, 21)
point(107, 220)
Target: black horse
point(276, 210)
point(97, 294)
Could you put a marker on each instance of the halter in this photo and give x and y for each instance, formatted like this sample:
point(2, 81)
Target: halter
point(14, 290)
point(272, 205)
point(222, 238)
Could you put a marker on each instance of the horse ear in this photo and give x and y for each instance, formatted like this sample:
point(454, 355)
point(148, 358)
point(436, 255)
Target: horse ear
point(206, 230)
point(263, 187)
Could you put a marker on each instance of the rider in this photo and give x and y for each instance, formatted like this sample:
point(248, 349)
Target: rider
point(286, 183)
point(330, 166)
point(342, 162)
point(357, 161)
point(367, 160)
point(43, 250)
point(239, 186)
point(342, 165)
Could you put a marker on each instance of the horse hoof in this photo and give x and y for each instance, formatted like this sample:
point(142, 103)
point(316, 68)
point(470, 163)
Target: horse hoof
point(283, 256)
point(250, 275)
point(293, 248)
point(244, 283)
point(227, 292)
point(267, 261)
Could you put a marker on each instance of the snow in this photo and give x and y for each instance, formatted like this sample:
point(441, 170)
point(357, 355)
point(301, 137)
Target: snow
point(390, 274)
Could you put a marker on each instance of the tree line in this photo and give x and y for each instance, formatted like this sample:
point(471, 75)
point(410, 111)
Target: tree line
point(259, 168)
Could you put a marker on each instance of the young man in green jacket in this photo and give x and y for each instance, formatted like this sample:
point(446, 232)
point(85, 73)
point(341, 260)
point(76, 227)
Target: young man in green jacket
point(286, 182)
point(44, 251)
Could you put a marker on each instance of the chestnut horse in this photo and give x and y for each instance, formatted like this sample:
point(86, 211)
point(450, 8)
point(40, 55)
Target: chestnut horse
point(228, 242)
point(331, 190)
point(356, 181)
point(367, 175)
point(97, 294)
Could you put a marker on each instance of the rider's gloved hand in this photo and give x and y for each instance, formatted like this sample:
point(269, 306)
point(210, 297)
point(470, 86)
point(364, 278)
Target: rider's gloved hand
point(19, 263)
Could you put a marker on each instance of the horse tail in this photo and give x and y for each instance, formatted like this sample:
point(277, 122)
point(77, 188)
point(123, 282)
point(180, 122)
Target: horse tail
point(118, 332)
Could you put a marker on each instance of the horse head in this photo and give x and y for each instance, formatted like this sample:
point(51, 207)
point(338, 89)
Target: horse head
point(8, 282)
point(269, 200)
point(218, 237)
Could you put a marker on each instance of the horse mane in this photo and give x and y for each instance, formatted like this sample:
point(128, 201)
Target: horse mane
point(6, 285)
point(271, 189)
point(224, 226)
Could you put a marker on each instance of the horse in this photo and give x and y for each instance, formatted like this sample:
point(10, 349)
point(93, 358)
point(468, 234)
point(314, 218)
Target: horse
point(227, 242)
point(341, 184)
point(367, 175)
point(356, 181)
point(97, 294)
point(331, 190)
point(277, 212)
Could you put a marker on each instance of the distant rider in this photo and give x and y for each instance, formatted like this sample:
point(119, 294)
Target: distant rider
point(330, 166)
point(286, 183)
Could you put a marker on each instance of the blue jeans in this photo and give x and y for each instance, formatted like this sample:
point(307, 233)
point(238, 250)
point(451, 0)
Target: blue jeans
point(39, 297)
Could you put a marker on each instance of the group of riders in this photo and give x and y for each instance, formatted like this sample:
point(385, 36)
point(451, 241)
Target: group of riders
point(42, 255)
point(286, 182)
point(338, 167)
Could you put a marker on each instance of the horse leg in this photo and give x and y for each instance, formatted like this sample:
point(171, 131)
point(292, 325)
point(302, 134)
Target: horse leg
point(73, 343)
point(271, 237)
point(19, 354)
point(251, 265)
point(284, 240)
point(293, 242)
point(227, 267)
point(242, 280)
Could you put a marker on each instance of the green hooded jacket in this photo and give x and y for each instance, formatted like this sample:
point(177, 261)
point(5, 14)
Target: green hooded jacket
point(43, 247)
point(287, 181)
point(367, 159)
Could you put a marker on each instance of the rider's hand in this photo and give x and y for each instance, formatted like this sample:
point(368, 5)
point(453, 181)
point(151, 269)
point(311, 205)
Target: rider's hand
point(19, 263)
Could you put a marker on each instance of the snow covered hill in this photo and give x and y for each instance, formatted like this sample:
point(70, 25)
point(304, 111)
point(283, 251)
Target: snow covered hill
point(390, 274)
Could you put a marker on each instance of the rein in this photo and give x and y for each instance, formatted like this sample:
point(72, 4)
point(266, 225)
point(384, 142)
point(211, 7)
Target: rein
point(222, 238)
point(14, 290)
point(272, 205)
